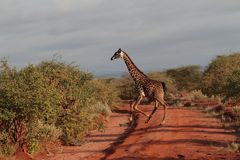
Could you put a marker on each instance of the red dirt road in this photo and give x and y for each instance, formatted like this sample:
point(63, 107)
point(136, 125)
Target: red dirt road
point(187, 134)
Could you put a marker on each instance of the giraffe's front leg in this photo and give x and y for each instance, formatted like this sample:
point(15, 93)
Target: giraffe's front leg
point(135, 106)
point(148, 118)
point(131, 110)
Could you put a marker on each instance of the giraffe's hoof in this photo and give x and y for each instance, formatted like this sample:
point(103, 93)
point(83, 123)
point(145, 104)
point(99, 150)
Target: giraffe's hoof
point(162, 123)
point(131, 119)
point(148, 118)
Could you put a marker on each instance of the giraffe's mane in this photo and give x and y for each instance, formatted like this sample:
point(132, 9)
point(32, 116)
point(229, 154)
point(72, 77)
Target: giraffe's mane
point(134, 64)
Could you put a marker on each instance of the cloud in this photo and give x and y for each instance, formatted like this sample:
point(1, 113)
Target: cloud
point(157, 34)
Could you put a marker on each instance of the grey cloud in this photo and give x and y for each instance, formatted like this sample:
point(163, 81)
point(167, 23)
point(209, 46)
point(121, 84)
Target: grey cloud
point(158, 34)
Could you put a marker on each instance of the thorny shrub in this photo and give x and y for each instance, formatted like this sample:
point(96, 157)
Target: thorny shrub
point(48, 101)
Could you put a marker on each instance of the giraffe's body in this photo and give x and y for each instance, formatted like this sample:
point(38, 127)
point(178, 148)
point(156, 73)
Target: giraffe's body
point(152, 89)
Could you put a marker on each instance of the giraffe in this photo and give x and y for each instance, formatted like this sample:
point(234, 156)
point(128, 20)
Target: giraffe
point(152, 89)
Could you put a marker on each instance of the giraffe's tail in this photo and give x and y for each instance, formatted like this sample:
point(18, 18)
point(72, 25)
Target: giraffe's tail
point(164, 87)
point(164, 90)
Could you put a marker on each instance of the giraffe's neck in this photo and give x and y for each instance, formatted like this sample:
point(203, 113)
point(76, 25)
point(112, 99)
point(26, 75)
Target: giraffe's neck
point(136, 74)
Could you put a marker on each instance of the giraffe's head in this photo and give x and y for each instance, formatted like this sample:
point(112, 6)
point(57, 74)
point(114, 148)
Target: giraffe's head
point(118, 54)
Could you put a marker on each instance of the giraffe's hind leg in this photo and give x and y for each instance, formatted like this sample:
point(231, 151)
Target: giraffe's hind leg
point(164, 104)
point(153, 111)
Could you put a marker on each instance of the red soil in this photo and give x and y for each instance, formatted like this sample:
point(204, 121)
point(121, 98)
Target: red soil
point(187, 134)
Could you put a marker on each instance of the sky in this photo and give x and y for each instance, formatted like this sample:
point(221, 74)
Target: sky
point(157, 34)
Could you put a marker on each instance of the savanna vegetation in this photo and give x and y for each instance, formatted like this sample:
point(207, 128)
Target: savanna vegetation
point(49, 101)
point(222, 79)
point(221, 76)
point(53, 100)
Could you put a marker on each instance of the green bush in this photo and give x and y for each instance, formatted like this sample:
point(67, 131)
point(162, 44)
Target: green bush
point(47, 101)
point(215, 77)
point(41, 132)
point(76, 123)
point(79, 92)
point(5, 147)
point(106, 92)
point(187, 78)
point(25, 96)
point(196, 95)
point(232, 87)
point(127, 88)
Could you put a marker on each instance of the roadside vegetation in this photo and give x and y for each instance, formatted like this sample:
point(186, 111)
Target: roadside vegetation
point(49, 101)
point(222, 79)
point(55, 101)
